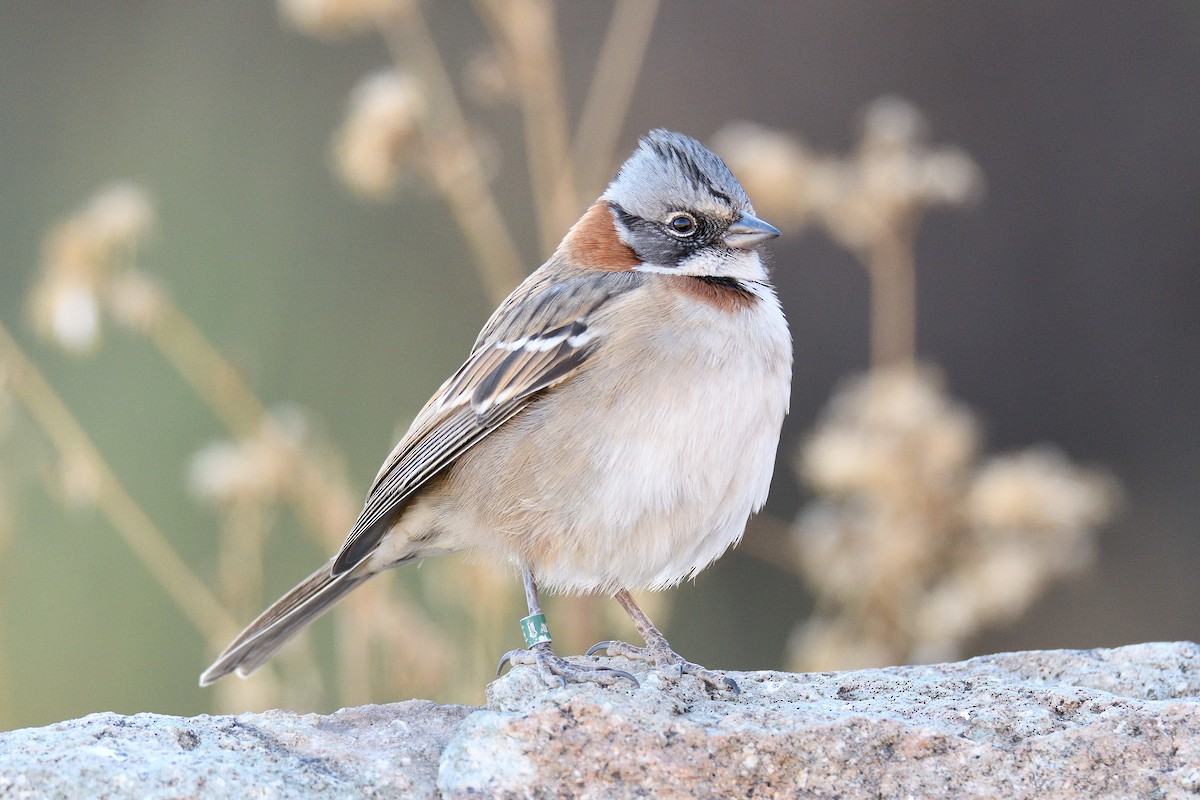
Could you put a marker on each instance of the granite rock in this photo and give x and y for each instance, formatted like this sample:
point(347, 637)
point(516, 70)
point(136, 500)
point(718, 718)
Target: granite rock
point(368, 752)
point(1053, 724)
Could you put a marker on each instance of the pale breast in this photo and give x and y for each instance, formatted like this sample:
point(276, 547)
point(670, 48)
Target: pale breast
point(644, 467)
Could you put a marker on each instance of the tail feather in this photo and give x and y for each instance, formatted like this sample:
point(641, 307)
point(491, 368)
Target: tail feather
point(274, 627)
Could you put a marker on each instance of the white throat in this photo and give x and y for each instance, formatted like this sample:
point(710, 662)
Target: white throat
point(740, 265)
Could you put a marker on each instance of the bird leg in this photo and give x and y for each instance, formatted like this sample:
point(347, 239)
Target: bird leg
point(553, 669)
point(657, 650)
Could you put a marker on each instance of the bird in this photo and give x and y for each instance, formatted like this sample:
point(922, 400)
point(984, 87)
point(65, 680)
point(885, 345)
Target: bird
point(612, 430)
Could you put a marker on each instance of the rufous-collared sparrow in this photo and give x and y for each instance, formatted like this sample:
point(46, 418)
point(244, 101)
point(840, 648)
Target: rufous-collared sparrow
point(613, 428)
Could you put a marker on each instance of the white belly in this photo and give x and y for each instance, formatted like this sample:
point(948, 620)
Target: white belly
point(671, 496)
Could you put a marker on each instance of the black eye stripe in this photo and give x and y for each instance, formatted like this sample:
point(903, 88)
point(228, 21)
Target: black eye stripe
point(654, 243)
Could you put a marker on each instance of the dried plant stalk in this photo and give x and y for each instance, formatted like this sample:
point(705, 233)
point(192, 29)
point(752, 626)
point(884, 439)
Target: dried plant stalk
point(526, 30)
point(870, 202)
point(893, 284)
point(609, 96)
point(454, 163)
point(205, 369)
point(149, 545)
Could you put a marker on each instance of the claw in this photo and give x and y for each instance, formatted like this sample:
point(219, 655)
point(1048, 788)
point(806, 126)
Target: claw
point(620, 673)
point(504, 659)
point(597, 647)
point(731, 683)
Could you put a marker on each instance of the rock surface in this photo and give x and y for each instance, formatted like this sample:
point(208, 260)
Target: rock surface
point(1056, 724)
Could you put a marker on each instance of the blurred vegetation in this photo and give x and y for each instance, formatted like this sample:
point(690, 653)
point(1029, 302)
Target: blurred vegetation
point(914, 538)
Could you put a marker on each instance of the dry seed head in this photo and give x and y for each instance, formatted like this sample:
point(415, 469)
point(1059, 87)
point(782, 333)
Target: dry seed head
point(336, 19)
point(66, 311)
point(378, 136)
point(1037, 490)
point(909, 547)
point(81, 256)
point(868, 547)
point(118, 216)
point(830, 542)
point(865, 198)
point(899, 171)
point(892, 122)
point(63, 302)
point(256, 469)
point(886, 428)
point(1006, 581)
point(990, 585)
point(135, 300)
point(950, 177)
point(774, 168)
point(948, 613)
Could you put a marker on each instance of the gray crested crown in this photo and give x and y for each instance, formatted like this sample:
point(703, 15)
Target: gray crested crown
point(670, 171)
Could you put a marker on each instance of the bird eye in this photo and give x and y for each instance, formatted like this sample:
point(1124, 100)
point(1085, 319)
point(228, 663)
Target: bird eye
point(682, 224)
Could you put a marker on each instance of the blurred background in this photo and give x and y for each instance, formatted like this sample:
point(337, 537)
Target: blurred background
point(1033, 485)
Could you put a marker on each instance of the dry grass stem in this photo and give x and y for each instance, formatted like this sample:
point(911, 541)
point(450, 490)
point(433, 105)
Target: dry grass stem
point(525, 29)
point(870, 202)
point(893, 285)
point(206, 370)
point(138, 303)
point(379, 135)
point(453, 161)
point(611, 92)
point(454, 168)
point(354, 633)
point(416, 655)
point(284, 463)
point(145, 540)
point(240, 567)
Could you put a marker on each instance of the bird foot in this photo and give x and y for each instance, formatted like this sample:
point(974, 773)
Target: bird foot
point(557, 671)
point(659, 653)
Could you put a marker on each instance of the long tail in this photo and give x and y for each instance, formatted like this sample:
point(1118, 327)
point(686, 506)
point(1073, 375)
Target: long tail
point(283, 620)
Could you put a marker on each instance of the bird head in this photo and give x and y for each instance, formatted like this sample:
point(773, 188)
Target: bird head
point(677, 206)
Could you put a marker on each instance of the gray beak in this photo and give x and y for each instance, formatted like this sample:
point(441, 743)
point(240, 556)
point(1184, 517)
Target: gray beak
point(748, 232)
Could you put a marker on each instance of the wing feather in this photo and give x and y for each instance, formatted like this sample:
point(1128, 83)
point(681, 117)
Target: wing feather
point(518, 355)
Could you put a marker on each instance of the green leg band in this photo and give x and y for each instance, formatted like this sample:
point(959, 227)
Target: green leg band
point(535, 630)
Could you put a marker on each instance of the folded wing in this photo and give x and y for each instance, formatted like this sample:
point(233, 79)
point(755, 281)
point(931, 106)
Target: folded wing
point(525, 349)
